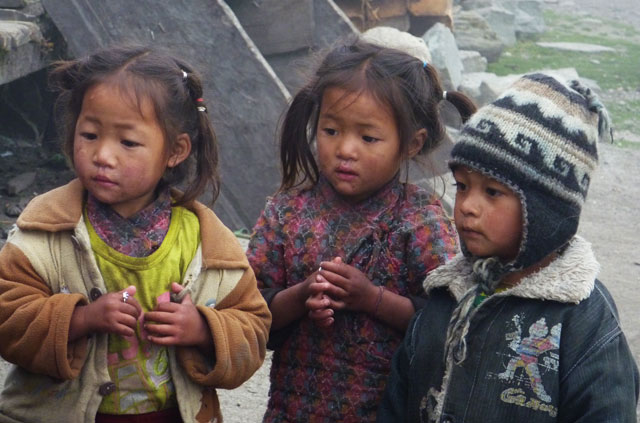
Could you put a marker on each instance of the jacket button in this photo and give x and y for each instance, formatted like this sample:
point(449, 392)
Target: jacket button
point(95, 293)
point(107, 388)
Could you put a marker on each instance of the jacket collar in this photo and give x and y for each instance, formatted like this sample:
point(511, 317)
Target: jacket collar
point(569, 278)
point(61, 210)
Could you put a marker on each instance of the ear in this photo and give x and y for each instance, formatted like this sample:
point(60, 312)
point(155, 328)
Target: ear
point(181, 150)
point(415, 145)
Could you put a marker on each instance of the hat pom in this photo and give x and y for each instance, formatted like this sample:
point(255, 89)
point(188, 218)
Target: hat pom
point(605, 129)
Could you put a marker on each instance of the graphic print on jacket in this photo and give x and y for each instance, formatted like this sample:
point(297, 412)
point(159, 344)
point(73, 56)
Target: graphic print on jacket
point(529, 360)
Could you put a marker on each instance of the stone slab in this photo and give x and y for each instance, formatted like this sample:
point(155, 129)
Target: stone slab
point(20, 50)
point(244, 96)
point(276, 26)
point(12, 4)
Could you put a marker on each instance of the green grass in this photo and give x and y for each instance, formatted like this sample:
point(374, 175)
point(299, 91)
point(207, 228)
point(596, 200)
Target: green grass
point(626, 114)
point(610, 70)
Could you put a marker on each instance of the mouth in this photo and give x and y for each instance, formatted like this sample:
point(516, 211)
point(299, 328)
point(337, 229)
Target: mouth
point(346, 173)
point(468, 232)
point(103, 180)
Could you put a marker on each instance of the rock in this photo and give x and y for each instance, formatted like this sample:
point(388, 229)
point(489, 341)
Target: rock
point(472, 32)
point(20, 49)
point(484, 87)
point(445, 55)
point(19, 183)
point(502, 22)
point(330, 24)
point(12, 4)
point(529, 19)
point(14, 34)
point(13, 209)
point(577, 47)
point(276, 26)
point(473, 61)
point(246, 97)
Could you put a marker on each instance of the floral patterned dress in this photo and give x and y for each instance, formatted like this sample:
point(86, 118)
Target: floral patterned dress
point(395, 237)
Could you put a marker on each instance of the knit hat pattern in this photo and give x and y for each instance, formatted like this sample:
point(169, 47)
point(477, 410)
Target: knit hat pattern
point(539, 138)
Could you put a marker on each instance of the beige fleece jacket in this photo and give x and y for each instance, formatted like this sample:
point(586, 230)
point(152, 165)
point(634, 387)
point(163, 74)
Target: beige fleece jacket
point(47, 268)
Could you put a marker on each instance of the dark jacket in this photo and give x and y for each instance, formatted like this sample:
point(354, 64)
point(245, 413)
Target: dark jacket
point(548, 350)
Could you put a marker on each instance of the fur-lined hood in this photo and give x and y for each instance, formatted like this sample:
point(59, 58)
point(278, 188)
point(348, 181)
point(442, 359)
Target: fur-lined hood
point(569, 278)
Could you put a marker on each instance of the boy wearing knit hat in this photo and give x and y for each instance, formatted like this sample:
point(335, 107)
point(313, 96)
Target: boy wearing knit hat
point(517, 327)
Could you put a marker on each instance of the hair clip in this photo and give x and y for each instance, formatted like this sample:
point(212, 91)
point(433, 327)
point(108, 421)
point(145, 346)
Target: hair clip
point(201, 108)
point(444, 95)
point(425, 64)
point(184, 75)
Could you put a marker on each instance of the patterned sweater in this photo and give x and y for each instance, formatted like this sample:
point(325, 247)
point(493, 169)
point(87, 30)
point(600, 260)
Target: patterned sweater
point(395, 237)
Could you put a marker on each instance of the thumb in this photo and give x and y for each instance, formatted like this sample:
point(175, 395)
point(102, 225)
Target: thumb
point(337, 260)
point(176, 288)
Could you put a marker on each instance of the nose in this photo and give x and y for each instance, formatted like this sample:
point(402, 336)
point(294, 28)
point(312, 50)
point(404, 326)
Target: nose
point(347, 148)
point(468, 203)
point(103, 155)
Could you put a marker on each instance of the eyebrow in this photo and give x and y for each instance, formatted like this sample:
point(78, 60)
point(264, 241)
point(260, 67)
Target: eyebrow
point(97, 121)
point(366, 125)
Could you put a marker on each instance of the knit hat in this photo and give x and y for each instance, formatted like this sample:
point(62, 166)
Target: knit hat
point(539, 138)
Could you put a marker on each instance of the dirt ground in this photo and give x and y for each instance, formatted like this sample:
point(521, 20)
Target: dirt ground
point(610, 220)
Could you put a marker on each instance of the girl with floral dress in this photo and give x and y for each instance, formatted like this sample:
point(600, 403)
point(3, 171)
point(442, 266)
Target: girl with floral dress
point(340, 251)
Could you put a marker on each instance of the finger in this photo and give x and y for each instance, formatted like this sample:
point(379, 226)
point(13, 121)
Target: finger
point(337, 305)
point(336, 267)
point(187, 300)
point(131, 300)
point(325, 323)
point(317, 303)
point(163, 340)
point(160, 330)
point(176, 287)
point(159, 316)
point(132, 307)
point(123, 330)
point(321, 314)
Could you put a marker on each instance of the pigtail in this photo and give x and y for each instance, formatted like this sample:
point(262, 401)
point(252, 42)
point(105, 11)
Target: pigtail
point(296, 156)
point(460, 101)
point(465, 106)
point(204, 144)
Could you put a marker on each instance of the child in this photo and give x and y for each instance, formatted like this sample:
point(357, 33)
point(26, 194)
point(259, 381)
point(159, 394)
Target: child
point(340, 251)
point(90, 313)
point(517, 328)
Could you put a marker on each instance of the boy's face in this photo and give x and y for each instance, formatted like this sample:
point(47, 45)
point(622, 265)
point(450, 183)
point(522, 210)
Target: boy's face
point(488, 215)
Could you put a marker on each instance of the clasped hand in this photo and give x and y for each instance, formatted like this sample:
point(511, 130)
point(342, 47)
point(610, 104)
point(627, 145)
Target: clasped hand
point(168, 324)
point(338, 286)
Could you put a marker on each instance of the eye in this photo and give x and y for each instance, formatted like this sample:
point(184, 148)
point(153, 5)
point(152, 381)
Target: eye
point(460, 187)
point(369, 139)
point(129, 143)
point(492, 192)
point(88, 136)
point(330, 131)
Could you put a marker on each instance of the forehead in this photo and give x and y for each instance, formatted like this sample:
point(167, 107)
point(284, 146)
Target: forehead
point(111, 94)
point(337, 99)
point(462, 171)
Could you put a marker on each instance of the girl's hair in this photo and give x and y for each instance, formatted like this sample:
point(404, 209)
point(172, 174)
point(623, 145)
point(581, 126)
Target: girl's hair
point(407, 85)
point(175, 91)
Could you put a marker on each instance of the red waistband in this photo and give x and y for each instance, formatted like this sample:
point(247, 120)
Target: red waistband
point(170, 415)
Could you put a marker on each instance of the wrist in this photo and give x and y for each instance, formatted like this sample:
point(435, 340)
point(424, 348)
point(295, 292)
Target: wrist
point(378, 300)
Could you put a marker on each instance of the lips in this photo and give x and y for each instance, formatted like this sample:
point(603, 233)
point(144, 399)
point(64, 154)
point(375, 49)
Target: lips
point(468, 232)
point(103, 180)
point(345, 172)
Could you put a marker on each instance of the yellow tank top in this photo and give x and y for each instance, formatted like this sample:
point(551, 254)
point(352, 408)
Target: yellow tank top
point(140, 369)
